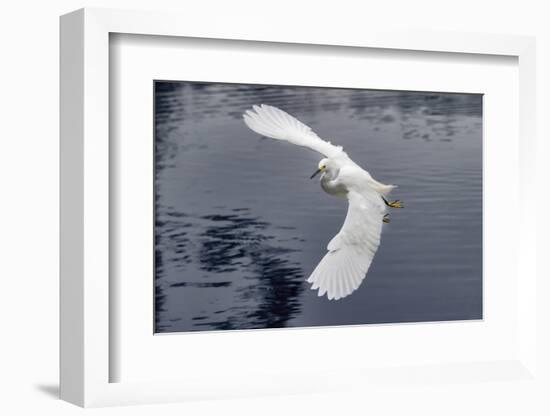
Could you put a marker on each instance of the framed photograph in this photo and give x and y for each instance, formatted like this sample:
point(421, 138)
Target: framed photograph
point(277, 213)
point(241, 228)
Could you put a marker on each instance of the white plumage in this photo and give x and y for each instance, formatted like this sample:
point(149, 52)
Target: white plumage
point(351, 251)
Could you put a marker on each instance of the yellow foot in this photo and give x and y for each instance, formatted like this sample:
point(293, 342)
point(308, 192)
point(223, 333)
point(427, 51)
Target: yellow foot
point(386, 218)
point(395, 204)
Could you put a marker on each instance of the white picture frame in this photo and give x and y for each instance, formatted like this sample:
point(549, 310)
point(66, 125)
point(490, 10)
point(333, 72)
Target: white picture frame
point(85, 211)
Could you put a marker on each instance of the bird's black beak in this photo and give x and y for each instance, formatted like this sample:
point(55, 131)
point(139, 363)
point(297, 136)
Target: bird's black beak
point(315, 173)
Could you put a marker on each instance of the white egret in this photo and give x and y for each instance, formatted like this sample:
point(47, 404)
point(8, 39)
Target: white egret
point(351, 251)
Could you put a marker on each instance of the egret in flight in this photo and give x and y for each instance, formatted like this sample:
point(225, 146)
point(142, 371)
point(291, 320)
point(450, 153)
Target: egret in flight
point(351, 251)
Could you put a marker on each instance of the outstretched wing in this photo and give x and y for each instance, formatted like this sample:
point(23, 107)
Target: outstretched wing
point(351, 251)
point(275, 123)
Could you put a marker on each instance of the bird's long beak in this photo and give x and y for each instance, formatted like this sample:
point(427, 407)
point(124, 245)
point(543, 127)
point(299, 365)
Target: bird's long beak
point(318, 171)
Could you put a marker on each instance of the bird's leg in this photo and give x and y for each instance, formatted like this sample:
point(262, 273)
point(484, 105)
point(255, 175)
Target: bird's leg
point(386, 218)
point(393, 204)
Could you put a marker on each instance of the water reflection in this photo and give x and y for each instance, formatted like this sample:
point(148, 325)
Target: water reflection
point(237, 255)
point(239, 225)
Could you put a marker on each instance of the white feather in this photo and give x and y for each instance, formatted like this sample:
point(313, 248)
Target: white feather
point(275, 123)
point(350, 252)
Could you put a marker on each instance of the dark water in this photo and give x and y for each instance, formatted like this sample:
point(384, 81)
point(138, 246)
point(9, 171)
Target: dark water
point(240, 226)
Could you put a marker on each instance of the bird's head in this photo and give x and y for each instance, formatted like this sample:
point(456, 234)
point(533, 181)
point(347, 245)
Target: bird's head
point(324, 164)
